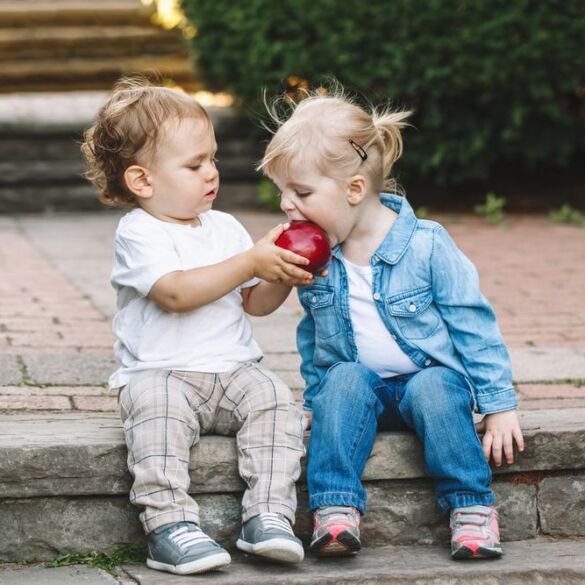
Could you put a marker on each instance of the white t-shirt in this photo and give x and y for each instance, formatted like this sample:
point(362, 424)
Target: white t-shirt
point(214, 338)
point(376, 347)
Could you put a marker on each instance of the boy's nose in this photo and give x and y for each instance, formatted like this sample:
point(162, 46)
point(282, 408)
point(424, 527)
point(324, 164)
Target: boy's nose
point(212, 174)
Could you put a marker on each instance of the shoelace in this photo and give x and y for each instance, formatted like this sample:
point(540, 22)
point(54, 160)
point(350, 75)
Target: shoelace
point(336, 514)
point(184, 538)
point(473, 521)
point(274, 520)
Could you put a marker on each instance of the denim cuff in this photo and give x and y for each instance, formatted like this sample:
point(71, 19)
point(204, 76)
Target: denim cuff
point(337, 499)
point(447, 503)
point(500, 401)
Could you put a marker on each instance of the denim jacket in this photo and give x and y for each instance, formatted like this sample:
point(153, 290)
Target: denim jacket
point(427, 293)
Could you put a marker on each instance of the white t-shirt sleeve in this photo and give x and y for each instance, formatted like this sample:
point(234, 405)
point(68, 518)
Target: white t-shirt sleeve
point(143, 253)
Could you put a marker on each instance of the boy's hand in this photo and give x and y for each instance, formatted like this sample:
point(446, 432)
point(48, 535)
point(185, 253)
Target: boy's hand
point(500, 430)
point(278, 265)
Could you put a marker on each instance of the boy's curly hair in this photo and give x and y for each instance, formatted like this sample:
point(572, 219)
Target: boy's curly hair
point(126, 130)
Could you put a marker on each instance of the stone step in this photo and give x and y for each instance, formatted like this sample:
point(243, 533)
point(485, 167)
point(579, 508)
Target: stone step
point(28, 13)
point(536, 561)
point(79, 73)
point(60, 42)
point(64, 485)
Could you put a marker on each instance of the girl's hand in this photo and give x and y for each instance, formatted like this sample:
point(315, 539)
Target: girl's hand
point(500, 430)
point(278, 265)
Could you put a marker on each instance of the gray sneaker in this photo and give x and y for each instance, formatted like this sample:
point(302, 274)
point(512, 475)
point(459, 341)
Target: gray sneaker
point(183, 548)
point(270, 535)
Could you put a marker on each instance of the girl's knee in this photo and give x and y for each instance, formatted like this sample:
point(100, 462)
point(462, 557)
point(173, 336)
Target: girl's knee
point(437, 389)
point(346, 382)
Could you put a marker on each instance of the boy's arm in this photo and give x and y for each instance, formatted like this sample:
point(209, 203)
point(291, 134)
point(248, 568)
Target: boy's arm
point(264, 298)
point(186, 290)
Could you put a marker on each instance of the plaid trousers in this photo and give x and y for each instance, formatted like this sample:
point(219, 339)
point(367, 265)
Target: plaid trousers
point(164, 412)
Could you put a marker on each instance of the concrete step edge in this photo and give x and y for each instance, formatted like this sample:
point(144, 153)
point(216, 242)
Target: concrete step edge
point(42, 455)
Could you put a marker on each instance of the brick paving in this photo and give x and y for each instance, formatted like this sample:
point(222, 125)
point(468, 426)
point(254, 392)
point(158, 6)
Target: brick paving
point(56, 305)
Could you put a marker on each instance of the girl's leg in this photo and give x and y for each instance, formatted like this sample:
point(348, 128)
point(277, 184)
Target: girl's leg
point(437, 403)
point(345, 413)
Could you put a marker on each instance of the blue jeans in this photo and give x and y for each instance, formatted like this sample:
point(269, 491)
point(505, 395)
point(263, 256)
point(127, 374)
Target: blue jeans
point(353, 403)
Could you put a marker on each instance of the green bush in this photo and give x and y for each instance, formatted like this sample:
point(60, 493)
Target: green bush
point(491, 81)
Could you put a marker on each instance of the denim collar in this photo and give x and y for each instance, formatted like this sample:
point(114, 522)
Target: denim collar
point(396, 241)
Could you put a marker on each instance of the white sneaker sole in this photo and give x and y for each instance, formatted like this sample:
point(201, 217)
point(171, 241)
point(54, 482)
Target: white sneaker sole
point(199, 566)
point(277, 549)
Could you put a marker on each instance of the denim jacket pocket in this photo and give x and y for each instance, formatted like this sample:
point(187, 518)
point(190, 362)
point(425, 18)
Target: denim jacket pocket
point(414, 314)
point(320, 302)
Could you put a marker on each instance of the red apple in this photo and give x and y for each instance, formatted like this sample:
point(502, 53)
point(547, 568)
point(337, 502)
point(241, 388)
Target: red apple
point(307, 239)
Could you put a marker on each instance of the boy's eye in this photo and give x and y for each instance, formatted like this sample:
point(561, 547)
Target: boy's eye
point(302, 193)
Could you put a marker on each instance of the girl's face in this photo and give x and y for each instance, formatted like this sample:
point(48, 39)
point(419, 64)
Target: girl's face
point(308, 195)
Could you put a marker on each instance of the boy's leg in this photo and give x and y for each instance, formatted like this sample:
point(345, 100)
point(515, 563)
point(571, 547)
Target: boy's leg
point(345, 413)
point(260, 409)
point(269, 428)
point(160, 427)
point(437, 403)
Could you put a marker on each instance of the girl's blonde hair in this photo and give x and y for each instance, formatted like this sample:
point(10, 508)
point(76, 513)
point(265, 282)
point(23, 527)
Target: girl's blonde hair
point(126, 130)
point(337, 137)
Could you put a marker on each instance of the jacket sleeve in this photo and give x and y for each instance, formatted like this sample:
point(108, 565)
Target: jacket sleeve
point(306, 347)
point(472, 325)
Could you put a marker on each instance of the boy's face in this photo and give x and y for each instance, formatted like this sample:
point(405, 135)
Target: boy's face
point(308, 195)
point(183, 177)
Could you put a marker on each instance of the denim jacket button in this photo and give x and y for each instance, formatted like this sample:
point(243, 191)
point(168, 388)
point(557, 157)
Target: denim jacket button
point(313, 299)
point(428, 363)
point(412, 308)
point(377, 296)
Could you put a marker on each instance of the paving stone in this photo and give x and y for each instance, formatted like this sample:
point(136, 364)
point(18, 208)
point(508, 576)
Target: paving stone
point(74, 575)
point(537, 561)
point(547, 364)
point(96, 403)
point(561, 503)
point(551, 391)
point(9, 370)
point(12, 402)
point(70, 368)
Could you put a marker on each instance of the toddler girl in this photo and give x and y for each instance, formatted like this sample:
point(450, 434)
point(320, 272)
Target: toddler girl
point(396, 336)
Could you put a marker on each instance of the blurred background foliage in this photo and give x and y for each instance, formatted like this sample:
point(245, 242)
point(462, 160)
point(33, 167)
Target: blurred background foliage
point(494, 84)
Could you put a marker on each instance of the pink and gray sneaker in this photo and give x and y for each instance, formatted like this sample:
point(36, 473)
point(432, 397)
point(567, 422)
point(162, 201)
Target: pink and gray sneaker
point(475, 533)
point(336, 531)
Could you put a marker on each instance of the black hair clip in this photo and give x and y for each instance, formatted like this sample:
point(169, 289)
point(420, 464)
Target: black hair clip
point(359, 149)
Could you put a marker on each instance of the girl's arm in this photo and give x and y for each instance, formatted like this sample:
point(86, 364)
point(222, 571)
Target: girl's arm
point(475, 334)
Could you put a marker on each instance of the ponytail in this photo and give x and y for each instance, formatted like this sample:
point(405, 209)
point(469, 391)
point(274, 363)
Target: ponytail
point(388, 124)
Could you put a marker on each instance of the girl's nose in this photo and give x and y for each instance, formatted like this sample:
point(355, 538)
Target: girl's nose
point(286, 204)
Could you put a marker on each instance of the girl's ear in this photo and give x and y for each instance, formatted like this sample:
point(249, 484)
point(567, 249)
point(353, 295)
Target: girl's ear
point(138, 181)
point(356, 189)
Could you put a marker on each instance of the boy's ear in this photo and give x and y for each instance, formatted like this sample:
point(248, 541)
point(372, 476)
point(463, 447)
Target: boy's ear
point(356, 189)
point(138, 181)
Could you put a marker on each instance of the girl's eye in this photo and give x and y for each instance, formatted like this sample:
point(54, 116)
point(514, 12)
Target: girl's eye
point(195, 168)
point(302, 194)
